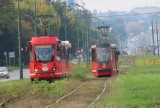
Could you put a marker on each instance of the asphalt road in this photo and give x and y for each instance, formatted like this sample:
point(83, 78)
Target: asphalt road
point(14, 75)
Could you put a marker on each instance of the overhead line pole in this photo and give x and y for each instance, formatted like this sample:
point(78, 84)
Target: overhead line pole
point(35, 17)
point(19, 41)
point(153, 37)
point(157, 36)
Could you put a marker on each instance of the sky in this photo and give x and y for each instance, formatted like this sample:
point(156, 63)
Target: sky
point(118, 5)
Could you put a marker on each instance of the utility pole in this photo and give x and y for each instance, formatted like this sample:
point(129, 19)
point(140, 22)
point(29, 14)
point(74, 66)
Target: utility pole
point(153, 38)
point(35, 24)
point(49, 29)
point(19, 41)
point(57, 25)
point(157, 36)
point(65, 27)
point(77, 30)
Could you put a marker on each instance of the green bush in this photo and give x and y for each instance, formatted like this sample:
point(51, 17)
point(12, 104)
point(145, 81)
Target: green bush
point(43, 88)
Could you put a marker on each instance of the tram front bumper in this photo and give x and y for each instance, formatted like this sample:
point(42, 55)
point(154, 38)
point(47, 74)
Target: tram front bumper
point(104, 70)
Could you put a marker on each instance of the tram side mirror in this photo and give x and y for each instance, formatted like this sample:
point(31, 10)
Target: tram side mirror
point(29, 47)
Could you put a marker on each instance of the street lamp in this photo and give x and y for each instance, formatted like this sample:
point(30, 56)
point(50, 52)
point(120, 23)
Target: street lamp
point(19, 41)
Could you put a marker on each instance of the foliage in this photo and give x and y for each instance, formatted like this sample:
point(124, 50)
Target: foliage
point(80, 71)
point(43, 88)
point(50, 12)
point(7, 28)
point(7, 15)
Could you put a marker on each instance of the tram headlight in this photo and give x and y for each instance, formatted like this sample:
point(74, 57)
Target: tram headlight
point(35, 69)
point(54, 68)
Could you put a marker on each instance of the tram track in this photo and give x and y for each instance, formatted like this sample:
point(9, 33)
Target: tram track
point(83, 94)
point(91, 103)
point(104, 88)
point(65, 95)
point(4, 103)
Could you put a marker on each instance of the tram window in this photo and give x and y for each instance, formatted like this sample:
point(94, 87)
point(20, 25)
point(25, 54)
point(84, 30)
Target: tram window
point(113, 54)
point(58, 57)
point(63, 53)
point(103, 54)
point(93, 55)
point(67, 54)
point(44, 53)
point(30, 55)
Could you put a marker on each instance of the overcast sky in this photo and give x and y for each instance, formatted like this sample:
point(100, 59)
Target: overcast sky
point(118, 5)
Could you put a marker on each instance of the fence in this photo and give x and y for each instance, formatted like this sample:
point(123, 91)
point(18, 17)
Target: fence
point(146, 62)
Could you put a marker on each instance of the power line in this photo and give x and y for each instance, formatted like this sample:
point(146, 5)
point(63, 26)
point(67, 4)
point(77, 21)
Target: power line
point(131, 14)
point(93, 1)
point(116, 15)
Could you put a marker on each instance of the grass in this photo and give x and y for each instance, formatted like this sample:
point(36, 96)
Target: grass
point(41, 92)
point(81, 71)
point(137, 88)
point(11, 68)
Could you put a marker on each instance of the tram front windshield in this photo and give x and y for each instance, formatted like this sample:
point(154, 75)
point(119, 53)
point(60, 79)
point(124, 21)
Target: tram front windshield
point(103, 54)
point(44, 53)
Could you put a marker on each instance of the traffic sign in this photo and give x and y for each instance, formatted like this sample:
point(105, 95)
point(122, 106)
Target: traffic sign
point(154, 47)
point(11, 54)
point(5, 53)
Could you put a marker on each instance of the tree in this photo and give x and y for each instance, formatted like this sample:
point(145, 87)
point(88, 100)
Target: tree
point(7, 15)
point(134, 27)
point(7, 27)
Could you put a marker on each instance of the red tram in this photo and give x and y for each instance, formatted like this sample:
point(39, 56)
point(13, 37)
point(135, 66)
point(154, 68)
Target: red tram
point(104, 59)
point(49, 58)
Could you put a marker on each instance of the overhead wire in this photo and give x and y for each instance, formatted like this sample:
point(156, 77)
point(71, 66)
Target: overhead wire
point(131, 14)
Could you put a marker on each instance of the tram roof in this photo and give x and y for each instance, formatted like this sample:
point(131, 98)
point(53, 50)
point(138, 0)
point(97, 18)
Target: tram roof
point(45, 40)
point(66, 43)
point(113, 45)
point(103, 44)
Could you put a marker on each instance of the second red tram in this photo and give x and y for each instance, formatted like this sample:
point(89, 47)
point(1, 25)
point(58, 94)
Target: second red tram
point(49, 58)
point(104, 59)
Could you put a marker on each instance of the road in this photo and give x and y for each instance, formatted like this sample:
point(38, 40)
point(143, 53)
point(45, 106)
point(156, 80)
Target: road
point(14, 75)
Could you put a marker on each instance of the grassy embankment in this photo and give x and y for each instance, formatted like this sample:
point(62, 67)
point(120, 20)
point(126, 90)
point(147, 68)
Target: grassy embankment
point(40, 93)
point(138, 87)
